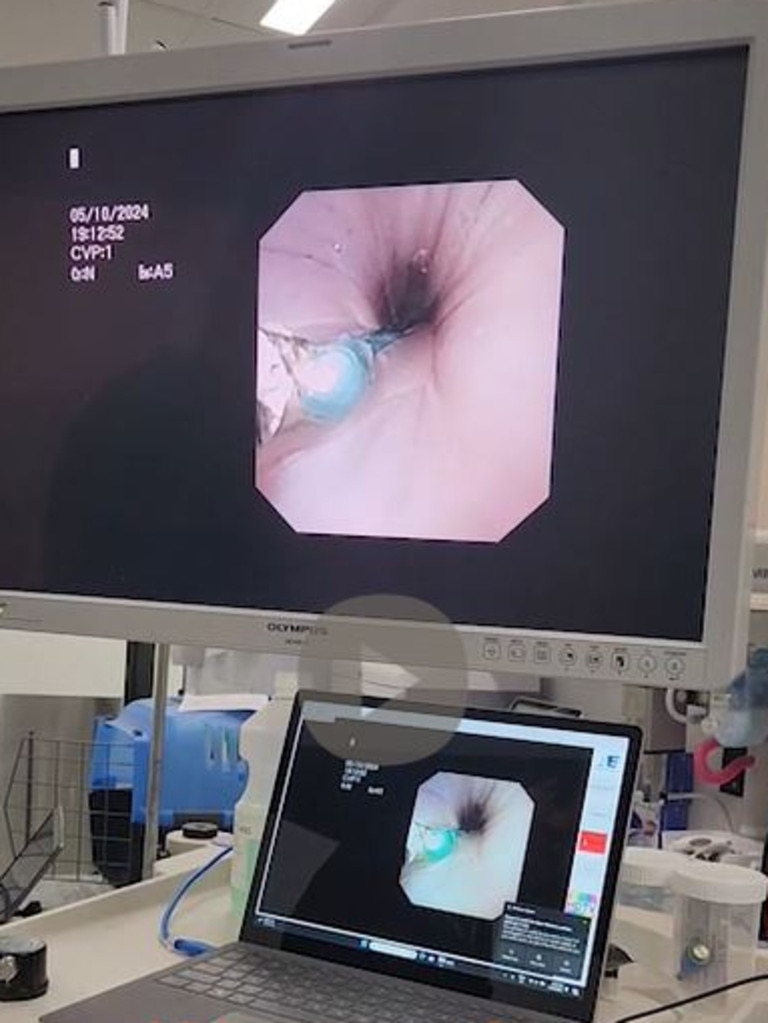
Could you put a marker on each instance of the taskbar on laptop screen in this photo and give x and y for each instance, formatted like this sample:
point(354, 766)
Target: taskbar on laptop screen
point(427, 956)
point(470, 846)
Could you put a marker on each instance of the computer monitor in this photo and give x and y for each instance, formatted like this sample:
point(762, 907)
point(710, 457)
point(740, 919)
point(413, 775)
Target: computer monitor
point(434, 344)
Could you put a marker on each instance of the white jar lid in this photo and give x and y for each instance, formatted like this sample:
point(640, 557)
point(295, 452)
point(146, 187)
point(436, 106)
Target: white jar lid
point(652, 868)
point(722, 883)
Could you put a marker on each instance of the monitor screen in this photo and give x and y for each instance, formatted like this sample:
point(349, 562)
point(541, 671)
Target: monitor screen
point(457, 337)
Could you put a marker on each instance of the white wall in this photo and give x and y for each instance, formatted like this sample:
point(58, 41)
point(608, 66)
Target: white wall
point(60, 665)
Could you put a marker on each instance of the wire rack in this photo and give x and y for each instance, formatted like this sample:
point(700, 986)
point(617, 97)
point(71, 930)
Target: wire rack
point(47, 773)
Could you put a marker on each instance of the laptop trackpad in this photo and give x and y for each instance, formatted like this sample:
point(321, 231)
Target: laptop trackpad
point(237, 1017)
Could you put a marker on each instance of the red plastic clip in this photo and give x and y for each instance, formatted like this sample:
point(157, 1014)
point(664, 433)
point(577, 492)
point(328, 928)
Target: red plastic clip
point(723, 775)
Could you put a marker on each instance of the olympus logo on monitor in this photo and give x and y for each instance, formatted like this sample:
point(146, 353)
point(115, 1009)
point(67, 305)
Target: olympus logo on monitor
point(294, 629)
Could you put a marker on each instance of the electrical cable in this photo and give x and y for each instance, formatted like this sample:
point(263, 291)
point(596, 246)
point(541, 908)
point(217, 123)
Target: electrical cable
point(671, 1006)
point(679, 797)
point(187, 946)
point(674, 713)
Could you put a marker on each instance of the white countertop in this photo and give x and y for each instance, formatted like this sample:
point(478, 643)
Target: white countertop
point(112, 939)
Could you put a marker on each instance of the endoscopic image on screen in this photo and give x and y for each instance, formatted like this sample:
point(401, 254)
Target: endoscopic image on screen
point(386, 316)
point(466, 845)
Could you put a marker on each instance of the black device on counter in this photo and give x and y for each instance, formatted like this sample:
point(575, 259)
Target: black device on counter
point(23, 969)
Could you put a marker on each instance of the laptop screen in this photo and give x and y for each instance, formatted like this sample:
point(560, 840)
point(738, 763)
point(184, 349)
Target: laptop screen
point(470, 850)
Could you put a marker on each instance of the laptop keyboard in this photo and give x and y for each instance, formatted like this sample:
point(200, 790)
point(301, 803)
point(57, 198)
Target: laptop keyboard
point(281, 986)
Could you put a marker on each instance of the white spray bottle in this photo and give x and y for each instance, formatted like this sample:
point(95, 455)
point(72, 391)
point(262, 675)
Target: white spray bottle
point(261, 742)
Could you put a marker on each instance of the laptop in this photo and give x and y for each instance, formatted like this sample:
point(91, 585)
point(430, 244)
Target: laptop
point(419, 862)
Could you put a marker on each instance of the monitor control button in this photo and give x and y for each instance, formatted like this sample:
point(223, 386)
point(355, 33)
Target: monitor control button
point(542, 654)
point(516, 650)
point(567, 657)
point(594, 659)
point(491, 649)
point(647, 664)
point(620, 661)
point(674, 666)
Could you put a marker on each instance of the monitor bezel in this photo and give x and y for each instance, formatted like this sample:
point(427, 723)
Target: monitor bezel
point(490, 41)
